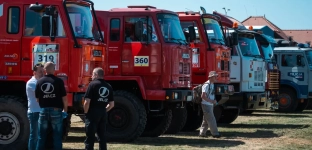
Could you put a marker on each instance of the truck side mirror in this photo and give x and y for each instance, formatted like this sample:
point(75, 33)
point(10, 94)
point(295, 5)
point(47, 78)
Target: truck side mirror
point(192, 33)
point(46, 26)
point(234, 38)
point(139, 30)
point(36, 7)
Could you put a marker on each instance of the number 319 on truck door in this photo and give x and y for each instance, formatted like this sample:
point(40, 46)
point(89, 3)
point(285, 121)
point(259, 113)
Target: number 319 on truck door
point(43, 53)
point(141, 61)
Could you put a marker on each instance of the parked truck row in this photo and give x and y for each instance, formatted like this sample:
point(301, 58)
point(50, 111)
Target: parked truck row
point(151, 57)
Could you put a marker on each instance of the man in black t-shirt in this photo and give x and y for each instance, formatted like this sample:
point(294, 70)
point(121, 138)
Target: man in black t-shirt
point(51, 94)
point(98, 100)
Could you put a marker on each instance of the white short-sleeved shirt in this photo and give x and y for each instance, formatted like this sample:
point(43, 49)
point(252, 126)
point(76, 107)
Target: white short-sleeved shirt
point(208, 88)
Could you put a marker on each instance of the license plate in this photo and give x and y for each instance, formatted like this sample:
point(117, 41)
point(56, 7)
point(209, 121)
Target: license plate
point(263, 99)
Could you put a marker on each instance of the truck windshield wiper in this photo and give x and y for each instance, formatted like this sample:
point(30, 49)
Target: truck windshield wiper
point(179, 40)
point(85, 37)
point(221, 41)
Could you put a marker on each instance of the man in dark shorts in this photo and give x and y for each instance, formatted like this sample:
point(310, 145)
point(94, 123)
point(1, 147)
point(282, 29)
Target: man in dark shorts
point(98, 101)
point(51, 94)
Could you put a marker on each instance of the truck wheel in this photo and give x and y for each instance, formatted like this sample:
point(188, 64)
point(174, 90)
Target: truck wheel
point(287, 100)
point(14, 124)
point(228, 116)
point(302, 106)
point(157, 123)
point(194, 120)
point(127, 120)
point(179, 117)
point(66, 127)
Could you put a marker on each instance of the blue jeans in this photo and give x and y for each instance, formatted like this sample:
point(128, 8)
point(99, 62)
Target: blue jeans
point(54, 117)
point(33, 137)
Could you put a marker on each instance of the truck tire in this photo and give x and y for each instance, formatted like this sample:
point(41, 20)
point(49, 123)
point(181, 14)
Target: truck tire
point(66, 127)
point(194, 120)
point(14, 124)
point(127, 120)
point(179, 117)
point(157, 124)
point(228, 116)
point(287, 100)
point(302, 106)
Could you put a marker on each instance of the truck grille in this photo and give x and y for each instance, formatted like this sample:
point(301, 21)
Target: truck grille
point(224, 65)
point(184, 78)
point(259, 75)
point(184, 68)
point(273, 80)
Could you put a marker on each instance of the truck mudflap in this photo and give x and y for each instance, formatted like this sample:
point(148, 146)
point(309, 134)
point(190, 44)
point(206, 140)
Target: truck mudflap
point(177, 95)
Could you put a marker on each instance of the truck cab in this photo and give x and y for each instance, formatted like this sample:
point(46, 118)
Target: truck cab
point(247, 67)
point(210, 53)
point(296, 73)
point(65, 32)
point(149, 67)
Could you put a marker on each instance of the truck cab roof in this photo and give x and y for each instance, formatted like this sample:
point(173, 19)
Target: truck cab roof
point(290, 49)
point(140, 8)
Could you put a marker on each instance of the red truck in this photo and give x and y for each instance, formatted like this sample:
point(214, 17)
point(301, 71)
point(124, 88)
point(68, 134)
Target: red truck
point(28, 37)
point(210, 53)
point(148, 64)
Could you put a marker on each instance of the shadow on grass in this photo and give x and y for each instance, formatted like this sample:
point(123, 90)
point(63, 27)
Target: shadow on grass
point(276, 115)
point(276, 112)
point(234, 134)
point(264, 126)
point(165, 141)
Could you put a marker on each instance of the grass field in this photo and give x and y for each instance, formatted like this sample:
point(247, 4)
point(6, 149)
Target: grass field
point(260, 130)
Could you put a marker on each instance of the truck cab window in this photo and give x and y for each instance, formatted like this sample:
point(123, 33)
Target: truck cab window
point(129, 30)
point(114, 29)
point(13, 20)
point(289, 60)
point(33, 24)
point(185, 26)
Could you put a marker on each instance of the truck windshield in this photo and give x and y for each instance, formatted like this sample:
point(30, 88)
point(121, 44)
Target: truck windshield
point(171, 28)
point(81, 20)
point(248, 45)
point(214, 31)
point(309, 58)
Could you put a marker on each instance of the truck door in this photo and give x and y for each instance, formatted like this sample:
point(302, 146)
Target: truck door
point(199, 69)
point(235, 65)
point(295, 69)
point(10, 40)
point(138, 56)
point(114, 44)
point(37, 48)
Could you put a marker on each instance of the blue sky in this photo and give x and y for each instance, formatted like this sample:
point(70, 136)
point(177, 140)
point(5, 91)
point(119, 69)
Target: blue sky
point(286, 14)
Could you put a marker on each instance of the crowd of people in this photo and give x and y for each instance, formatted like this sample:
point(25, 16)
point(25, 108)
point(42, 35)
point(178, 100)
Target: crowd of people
point(47, 105)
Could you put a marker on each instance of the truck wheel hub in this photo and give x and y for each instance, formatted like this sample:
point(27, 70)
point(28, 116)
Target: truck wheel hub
point(9, 128)
point(118, 118)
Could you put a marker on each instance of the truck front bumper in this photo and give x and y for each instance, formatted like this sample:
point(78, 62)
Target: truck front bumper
point(177, 95)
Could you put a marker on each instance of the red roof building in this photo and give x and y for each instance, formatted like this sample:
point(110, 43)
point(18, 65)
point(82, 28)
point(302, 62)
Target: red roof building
point(300, 35)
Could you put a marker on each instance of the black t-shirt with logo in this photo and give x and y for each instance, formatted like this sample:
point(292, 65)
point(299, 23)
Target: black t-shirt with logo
point(100, 93)
point(50, 90)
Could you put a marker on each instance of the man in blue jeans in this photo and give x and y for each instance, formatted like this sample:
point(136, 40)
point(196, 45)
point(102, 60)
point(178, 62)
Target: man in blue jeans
point(33, 106)
point(51, 95)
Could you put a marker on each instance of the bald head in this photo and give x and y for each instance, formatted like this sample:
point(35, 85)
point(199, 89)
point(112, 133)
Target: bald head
point(98, 73)
point(49, 67)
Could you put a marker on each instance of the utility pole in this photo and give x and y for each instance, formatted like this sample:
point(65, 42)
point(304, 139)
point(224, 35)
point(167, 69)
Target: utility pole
point(226, 10)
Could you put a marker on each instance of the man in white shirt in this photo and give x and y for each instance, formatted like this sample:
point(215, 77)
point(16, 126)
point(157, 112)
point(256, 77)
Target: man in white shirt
point(33, 106)
point(208, 102)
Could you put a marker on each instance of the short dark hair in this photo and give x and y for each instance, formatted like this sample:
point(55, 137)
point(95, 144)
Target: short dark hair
point(99, 71)
point(35, 68)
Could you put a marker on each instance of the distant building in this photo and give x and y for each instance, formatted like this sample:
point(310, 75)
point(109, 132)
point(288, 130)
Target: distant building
point(298, 36)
